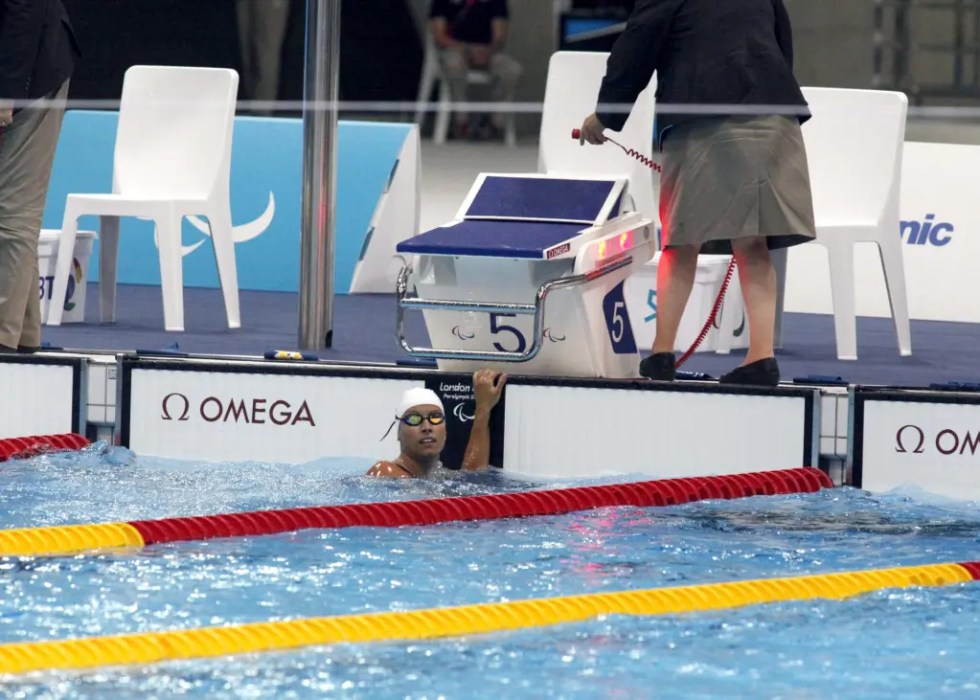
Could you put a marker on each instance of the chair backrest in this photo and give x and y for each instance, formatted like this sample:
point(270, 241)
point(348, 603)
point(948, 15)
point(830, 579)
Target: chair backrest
point(854, 144)
point(574, 79)
point(175, 131)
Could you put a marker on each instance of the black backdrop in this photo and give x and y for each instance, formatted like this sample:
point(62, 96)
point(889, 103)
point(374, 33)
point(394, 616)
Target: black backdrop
point(380, 52)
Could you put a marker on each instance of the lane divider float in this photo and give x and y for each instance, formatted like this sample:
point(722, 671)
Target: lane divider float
point(67, 539)
point(153, 647)
point(25, 447)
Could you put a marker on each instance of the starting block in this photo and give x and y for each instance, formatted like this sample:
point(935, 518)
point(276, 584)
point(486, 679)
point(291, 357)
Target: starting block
point(521, 246)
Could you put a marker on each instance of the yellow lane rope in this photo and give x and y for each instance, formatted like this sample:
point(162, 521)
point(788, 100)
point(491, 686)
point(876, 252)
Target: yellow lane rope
point(463, 620)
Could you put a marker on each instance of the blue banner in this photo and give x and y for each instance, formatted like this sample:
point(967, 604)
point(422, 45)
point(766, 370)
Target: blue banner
point(266, 190)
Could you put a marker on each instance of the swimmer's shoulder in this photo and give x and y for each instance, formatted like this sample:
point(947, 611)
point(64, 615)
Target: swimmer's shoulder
point(389, 469)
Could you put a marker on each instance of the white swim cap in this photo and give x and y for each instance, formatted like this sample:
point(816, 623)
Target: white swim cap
point(418, 397)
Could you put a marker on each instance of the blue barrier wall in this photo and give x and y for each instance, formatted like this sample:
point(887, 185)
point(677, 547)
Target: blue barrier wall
point(265, 198)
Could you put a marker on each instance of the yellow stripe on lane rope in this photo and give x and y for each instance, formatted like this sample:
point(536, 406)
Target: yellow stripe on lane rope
point(67, 539)
point(153, 647)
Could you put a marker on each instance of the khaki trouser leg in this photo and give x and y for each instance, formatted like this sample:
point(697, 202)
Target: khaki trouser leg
point(26, 154)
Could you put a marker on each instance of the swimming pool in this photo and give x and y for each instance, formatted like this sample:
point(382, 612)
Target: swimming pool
point(894, 643)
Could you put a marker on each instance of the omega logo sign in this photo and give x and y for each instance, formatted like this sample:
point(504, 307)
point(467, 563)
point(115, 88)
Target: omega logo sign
point(911, 439)
point(177, 407)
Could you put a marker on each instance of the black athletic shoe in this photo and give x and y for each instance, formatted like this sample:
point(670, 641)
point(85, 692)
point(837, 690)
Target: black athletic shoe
point(5, 349)
point(759, 373)
point(659, 366)
point(27, 349)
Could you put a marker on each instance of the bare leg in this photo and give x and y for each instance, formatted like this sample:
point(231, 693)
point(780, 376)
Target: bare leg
point(675, 278)
point(758, 279)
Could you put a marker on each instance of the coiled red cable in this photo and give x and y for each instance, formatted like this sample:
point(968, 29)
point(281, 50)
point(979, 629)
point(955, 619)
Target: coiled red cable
point(711, 317)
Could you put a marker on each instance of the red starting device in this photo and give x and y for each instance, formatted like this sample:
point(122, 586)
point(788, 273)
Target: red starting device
point(633, 153)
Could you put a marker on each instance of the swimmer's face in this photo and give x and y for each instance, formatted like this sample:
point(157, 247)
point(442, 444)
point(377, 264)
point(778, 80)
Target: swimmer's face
point(424, 441)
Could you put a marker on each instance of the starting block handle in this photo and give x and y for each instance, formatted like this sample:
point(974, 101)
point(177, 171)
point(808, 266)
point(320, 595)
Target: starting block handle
point(537, 309)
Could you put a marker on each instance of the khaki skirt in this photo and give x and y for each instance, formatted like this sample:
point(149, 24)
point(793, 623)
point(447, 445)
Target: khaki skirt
point(735, 177)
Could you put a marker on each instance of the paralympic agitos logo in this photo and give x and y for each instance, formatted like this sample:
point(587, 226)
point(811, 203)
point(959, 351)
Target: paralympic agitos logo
point(253, 411)
point(911, 439)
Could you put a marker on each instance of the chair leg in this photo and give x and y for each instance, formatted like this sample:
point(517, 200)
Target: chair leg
point(66, 253)
point(841, 259)
point(224, 255)
point(893, 267)
point(171, 270)
point(108, 266)
point(426, 83)
point(510, 135)
point(441, 129)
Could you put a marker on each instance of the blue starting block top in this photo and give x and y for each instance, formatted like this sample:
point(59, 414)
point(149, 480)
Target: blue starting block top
point(499, 239)
point(542, 199)
point(521, 217)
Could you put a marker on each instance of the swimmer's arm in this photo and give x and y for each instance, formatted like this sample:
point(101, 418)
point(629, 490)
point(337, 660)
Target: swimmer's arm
point(388, 469)
point(477, 455)
point(487, 388)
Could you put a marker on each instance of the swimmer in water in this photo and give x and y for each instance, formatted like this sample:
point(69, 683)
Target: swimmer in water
point(422, 430)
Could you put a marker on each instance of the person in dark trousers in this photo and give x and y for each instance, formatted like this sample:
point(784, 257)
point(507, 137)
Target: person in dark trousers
point(38, 52)
point(471, 34)
point(734, 177)
point(262, 26)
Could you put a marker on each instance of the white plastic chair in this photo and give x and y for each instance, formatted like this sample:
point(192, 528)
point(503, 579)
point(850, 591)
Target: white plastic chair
point(431, 75)
point(854, 145)
point(574, 79)
point(172, 159)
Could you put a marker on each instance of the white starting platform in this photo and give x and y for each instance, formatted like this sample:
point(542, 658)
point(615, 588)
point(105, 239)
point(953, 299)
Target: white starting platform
point(531, 271)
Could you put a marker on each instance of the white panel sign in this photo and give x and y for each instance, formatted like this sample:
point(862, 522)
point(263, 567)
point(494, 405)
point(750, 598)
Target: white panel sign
point(930, 445)
point(940, 231)
point(35, 399)
point(282, 418)
point(583, 432)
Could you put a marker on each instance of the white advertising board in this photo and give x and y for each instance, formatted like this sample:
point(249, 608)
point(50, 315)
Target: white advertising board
point(39, 397)
point(563, 431)
point(255, 416)
point(910, 439)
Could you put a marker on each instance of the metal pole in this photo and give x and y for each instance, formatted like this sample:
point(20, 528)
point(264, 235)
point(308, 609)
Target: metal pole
point(316, 273)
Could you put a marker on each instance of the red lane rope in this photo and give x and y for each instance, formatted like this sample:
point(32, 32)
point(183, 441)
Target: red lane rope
point(508, 505)
point(24, 447)
point(973, 567)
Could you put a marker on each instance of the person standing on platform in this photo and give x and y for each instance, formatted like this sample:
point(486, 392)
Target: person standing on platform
point(422, 430)
point(261, 33)
point(38, 52)
point(734, 177)
point(471, 34)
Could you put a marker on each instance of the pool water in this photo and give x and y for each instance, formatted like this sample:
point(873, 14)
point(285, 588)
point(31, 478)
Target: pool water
point(891, 643)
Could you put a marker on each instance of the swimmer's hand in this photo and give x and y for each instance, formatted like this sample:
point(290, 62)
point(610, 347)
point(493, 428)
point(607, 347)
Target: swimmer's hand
point(488, 385)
